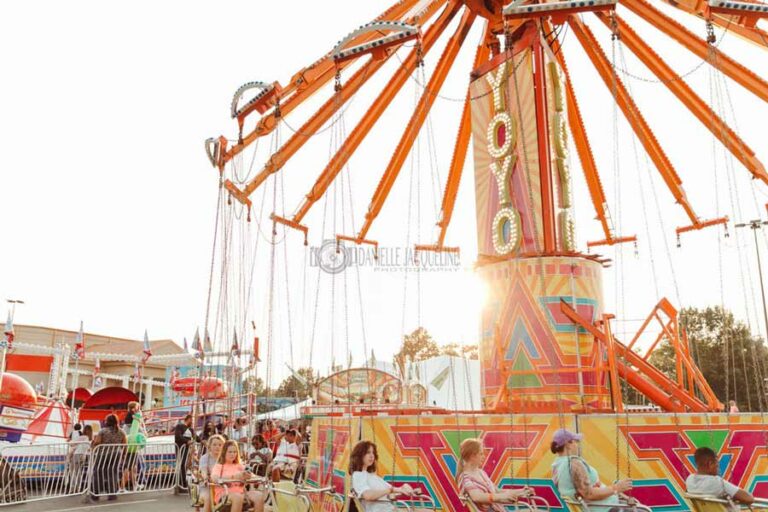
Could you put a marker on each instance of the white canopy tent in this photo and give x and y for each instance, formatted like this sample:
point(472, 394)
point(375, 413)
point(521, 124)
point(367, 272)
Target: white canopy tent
point(290, 413)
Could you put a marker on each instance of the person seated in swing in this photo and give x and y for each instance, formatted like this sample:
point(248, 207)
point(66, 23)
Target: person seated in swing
point(706, 481)
point(574, 477)
point(367, 485)
point(229, 468)
point(475, 482)
point(287, 459)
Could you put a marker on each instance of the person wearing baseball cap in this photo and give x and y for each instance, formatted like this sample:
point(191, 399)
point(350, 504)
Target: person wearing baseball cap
point(574, 477)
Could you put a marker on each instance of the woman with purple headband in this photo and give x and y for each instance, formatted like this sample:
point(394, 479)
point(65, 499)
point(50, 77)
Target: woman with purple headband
point(574, 477)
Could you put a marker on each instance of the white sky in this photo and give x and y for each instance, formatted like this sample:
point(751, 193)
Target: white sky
point(108, 200)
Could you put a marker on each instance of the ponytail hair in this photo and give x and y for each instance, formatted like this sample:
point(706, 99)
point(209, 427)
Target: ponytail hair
point(468, 448)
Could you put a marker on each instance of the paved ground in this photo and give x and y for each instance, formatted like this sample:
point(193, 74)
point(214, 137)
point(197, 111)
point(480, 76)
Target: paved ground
point(166, 502)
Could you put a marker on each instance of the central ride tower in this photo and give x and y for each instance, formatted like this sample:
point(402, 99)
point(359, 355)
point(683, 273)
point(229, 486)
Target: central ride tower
point(532, 357)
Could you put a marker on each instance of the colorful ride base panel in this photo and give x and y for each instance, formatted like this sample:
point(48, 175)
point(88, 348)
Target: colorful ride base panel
point(529, 347)
point(654, 450)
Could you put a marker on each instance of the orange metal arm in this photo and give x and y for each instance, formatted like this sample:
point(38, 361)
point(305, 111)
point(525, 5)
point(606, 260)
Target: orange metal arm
point(460, 149)
point(632, 114)
point(307, 81)
point(699, 47)
point(318, 119)
point(417, 119)
point(685, 94)
point(743, 26)
point(374, 112)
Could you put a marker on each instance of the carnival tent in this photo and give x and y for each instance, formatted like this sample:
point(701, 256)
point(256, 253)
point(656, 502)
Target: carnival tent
point(290, 413)
point(51, 424)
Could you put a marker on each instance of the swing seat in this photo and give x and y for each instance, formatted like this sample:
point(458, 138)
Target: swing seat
point(520, 504)
point(703, 503)
point(353, 503)
point(195, 483)
point(576, 504)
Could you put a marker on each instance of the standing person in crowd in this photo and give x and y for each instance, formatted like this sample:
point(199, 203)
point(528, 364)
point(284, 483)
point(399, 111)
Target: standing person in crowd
point(368, 486)
point(207, 463)
point(231, 468)
point(78, 455)
point(732, 407)
point(209, 430)
point(184, 437)
point(475, 482)
point(287, 459)
point(128, 421)
point(76, 432)
point(106, 460)
point(708, 482)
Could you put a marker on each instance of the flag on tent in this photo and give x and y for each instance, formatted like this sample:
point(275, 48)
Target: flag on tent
point(79, 352)
point(97, 374)
point(441, 378)
point(9, 334)
point(197, 347)
point(147, 348)
point(207, 347)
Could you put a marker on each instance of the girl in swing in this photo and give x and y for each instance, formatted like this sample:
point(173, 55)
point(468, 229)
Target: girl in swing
point(368, 486)
point(475, 482)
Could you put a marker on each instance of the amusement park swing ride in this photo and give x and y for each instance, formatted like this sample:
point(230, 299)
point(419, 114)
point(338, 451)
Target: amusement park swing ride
point(548, 356)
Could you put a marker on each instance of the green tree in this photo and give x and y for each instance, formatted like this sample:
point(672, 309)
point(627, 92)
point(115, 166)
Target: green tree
point(457, 350)
point(254, 385)
point(416, 346)
point(299, 388)
point(730, 358)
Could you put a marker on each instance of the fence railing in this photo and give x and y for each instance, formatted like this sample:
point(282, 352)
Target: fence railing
point(37, 472)
point(119, 468)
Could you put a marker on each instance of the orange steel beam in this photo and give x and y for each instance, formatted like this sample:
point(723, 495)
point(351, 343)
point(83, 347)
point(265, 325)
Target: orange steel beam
point(699, 47)
point(314, 123)
point(368, 120)
point(417, 119)
point(644, 377)
point(460, 148)
point(632, 114)
point(743, 26)
point(690, 99)
point(307, 81)
point(289, 223)
point(618, 404)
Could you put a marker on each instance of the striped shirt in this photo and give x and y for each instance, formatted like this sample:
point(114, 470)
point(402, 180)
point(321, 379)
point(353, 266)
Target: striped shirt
point(478, 480)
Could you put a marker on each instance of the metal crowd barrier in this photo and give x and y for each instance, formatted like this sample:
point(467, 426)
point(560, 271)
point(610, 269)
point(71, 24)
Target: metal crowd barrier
point(31, 473)
point(129, 468)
